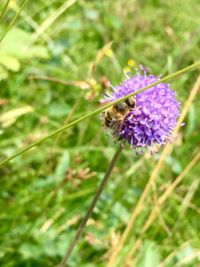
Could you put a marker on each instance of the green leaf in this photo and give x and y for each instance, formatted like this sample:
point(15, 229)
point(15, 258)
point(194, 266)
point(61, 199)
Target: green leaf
point(174, 164)
point(62, 166)
point(3, 73)
point(38, 51)
point(16, 41)
point(57, 110)
point(29, 250)
point(190, 125)
point(113, 22)
point(121, 212)
point(10, 62)
point(19, 43)
point(91, 14)
point(150, 257)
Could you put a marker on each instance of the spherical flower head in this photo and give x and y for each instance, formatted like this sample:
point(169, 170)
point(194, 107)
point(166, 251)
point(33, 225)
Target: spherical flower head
point(154, 116)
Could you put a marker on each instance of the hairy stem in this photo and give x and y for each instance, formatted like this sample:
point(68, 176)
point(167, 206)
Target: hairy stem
point(92, 206)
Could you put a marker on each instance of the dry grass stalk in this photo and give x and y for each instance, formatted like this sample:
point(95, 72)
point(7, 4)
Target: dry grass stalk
point(166, 151)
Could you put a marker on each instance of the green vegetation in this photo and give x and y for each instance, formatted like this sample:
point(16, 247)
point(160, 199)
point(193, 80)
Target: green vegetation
point(54, 60)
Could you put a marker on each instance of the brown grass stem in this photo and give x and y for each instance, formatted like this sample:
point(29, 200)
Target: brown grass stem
point(166, 151)
point(154, 213)
point(91, 207)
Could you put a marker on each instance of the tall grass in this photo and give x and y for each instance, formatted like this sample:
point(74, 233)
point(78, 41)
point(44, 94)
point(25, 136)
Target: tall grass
point(148, 213)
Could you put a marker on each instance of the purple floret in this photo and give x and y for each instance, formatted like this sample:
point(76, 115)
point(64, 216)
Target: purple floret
point(154, 116)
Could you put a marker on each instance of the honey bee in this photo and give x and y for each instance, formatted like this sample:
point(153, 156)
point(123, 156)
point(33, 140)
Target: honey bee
point(114, 116)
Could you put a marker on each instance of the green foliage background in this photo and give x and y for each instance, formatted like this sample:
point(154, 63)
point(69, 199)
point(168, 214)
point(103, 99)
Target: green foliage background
point(45, 192)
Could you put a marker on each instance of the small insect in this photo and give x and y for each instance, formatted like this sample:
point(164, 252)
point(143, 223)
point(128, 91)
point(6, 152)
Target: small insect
point(114, 116)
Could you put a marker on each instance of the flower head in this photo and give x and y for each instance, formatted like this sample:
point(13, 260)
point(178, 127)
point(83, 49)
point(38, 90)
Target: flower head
point(154, 116)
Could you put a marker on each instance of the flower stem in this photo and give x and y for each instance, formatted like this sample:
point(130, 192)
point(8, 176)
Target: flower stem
point(92, 206)
point(69, 125)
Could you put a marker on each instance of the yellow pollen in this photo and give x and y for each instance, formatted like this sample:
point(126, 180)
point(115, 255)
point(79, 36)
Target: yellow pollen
point(131, 63)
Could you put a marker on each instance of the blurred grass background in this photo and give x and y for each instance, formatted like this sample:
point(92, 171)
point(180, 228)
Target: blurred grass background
point(54, 63)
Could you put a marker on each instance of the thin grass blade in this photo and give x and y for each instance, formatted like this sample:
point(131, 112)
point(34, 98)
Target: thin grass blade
point(11, 24)
point(95, 112)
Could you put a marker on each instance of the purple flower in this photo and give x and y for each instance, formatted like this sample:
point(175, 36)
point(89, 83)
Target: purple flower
point(153, 118)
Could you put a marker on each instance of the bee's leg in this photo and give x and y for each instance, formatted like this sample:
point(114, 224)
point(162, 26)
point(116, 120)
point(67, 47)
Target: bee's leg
point(117, 127)
point(107, 123)
point(112, 124)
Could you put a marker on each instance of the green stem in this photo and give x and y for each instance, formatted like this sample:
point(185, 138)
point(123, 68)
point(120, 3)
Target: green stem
point(13, 20)
point(69, 125)
point(92, 206)
point(4, 10)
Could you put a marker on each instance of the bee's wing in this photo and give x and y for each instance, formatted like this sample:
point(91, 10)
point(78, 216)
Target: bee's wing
point(118, 126)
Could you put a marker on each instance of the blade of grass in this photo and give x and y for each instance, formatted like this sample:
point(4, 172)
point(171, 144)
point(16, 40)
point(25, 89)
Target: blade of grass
point(170, 257)
point(11, 24)
point(67, 126)
point(52, 18)
point(91, 207)
point(101, 53)
point(4, 10)
point(81, 84)
point(68, 118)
point(170, 189)
point(30, 21)
point(188, 197)
point(166, 151)
point(188, 259)
point(191, 205)
point(161, 201)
